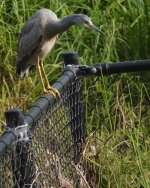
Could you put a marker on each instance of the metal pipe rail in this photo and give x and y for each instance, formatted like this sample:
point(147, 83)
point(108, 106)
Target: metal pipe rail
point(100, 69)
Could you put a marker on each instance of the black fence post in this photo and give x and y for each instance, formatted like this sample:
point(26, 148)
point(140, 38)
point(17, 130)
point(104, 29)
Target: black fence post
point(22, 165)
point(77, 116)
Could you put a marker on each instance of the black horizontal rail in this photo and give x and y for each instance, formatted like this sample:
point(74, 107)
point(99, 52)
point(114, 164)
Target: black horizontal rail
point(100, 69)
point(6, 141)
point(35, 112)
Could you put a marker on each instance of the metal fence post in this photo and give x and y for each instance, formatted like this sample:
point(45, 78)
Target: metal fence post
point(22, 165)
point(77, 116)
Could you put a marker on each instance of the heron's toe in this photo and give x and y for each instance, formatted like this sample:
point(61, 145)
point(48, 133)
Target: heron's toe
point(53, 91)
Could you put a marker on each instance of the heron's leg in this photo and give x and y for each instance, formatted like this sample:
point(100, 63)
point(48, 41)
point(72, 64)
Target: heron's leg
point(48, 88)
point(44, 74)
point(39, 71)
point(45, 90)
point(41, 77)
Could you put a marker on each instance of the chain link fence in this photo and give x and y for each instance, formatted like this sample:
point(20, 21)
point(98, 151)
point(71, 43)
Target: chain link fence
point(45, 147)
point(53, 146)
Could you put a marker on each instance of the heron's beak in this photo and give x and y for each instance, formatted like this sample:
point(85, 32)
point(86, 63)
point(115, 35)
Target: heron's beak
point(95, 28)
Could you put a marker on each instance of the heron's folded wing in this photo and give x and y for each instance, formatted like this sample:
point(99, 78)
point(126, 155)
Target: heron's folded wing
point(30, 39)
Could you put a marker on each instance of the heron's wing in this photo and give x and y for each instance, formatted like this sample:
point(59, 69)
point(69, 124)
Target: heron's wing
point(30, 39)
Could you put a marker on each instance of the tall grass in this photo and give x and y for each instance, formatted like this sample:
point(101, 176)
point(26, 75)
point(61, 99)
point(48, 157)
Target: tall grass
point(119, 104)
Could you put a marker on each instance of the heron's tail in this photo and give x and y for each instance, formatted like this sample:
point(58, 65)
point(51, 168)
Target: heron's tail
point(20, 71)
point(23, 72)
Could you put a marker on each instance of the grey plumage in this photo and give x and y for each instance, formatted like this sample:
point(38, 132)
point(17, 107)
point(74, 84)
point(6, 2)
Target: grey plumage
point(32, 39)
point(39, 35)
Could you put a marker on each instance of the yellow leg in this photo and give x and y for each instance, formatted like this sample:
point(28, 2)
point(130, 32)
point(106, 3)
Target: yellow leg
point(39, 71)
point(48, 88)
point(44, 74)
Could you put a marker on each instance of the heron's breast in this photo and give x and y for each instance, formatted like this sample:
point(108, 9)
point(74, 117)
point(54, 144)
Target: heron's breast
point(47, 46)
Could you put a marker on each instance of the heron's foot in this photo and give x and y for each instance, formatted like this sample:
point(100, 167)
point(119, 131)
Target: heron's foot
point(53, 91)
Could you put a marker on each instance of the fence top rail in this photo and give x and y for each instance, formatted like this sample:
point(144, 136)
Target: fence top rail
point(106, 69)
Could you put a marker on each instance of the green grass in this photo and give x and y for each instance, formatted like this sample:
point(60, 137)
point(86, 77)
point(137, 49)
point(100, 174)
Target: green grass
point(122, 142)
point(118, 104)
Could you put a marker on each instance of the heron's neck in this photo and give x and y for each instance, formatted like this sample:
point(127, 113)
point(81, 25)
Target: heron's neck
point(60, 26)
point(67, 22)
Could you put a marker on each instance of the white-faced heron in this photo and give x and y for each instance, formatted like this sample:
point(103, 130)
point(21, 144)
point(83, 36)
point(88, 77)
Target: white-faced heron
point(37, 39)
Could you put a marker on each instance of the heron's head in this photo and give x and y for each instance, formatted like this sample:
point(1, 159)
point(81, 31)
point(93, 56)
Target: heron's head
point(84, 19)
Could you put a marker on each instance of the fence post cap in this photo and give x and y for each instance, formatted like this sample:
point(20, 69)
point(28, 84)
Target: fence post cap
point(71, 57)
point(14, 117)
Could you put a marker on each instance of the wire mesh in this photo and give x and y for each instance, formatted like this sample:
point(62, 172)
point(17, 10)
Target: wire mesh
point(6, 175)
point(61, 136)
point(54, 149)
